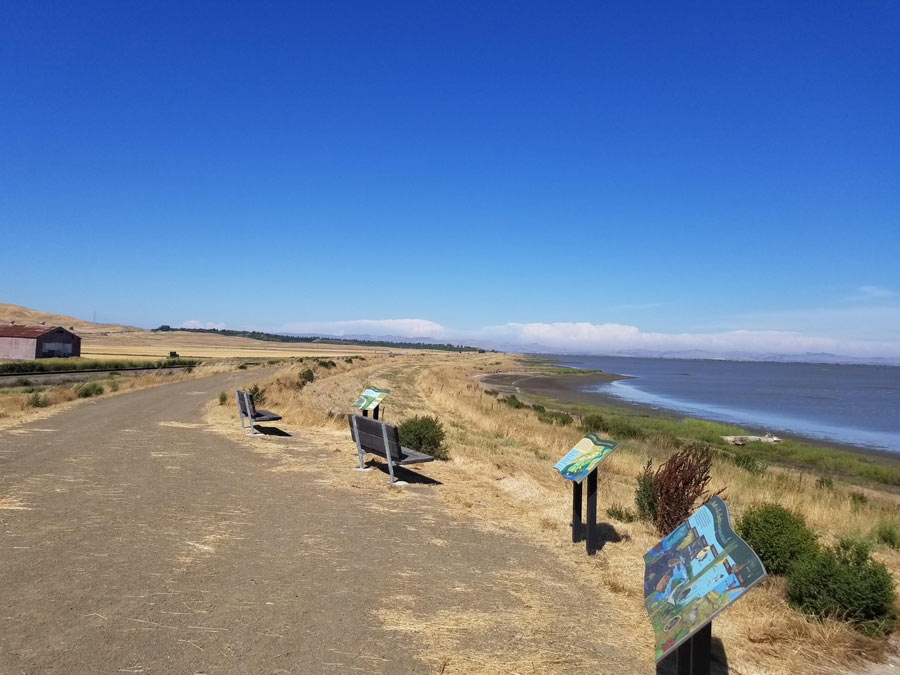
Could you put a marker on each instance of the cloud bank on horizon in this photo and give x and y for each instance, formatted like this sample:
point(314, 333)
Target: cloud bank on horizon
point(586, 337)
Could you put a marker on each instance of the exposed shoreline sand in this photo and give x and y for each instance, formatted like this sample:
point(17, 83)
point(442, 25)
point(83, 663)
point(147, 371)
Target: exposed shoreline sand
point(567, 389)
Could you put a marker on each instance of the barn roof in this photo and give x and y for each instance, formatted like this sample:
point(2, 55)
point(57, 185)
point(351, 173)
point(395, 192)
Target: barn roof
point(25, 330)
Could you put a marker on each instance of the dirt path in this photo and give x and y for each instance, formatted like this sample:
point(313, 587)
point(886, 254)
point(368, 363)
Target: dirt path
point(136, 539)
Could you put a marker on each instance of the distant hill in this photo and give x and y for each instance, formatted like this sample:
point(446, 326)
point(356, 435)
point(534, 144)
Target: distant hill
point(19, 314)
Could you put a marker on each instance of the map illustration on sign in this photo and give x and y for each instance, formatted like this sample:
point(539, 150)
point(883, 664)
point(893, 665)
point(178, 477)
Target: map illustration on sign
point(584, 457)
point(695, 572)
point(371, 398)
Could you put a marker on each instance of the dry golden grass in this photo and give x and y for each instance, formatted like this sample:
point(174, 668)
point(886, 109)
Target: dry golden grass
point(501, 472)
point(14, 409)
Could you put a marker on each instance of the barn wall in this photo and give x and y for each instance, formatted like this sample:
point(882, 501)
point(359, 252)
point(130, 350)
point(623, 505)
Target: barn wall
point(17, 348)
point(59, 342)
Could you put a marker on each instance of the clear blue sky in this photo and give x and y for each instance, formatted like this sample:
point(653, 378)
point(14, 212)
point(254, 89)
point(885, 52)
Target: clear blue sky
point(677, 167)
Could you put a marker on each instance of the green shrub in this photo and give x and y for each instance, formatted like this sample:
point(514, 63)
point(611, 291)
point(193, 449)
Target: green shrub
point(538, 408)
point(779, 536)
point(425, 434)
point(257, 395)
point(326, 364)
point(223, 398)
point(37, 400)
point(825, 483)
point(513, 402)
point(89, 389)
point(555, 417)
point(844, 583)
point(618, 427)
point(858, 499)
point(22, 382)
point(620, 513)
point(887, 532)
point(749, 463)
point(491, 392)
point(593, 423)
point(308, 375)
point(645, 494)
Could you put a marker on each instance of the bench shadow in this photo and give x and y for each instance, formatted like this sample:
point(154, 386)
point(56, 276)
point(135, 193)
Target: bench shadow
point(402, 473)
point(718, 663)
point(270, 431)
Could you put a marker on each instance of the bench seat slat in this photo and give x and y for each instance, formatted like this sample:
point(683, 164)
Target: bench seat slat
point(265, 416)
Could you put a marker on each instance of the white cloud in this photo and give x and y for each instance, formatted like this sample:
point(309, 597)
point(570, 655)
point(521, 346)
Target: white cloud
point(193, 323)
point(875, 293)
point(607, 338)
point(400, 327)
point(612, 337)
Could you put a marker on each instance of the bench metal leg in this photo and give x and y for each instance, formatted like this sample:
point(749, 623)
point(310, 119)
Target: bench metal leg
point(237, 395)
point(359, 450)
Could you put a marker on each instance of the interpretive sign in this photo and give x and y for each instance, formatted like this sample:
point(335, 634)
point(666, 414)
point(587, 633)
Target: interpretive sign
point(584, 457)
point(371, 398)
point(695, 572)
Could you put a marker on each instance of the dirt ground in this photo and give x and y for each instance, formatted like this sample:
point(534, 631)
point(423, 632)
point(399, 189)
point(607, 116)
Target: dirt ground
point(137, 538)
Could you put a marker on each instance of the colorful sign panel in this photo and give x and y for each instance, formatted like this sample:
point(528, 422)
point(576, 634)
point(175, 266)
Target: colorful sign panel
point(584, 457)
point(698, 570)
point(371, 398)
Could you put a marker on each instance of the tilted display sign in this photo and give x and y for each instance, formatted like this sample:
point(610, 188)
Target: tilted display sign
point(694, 573)
point(371, 398)
point(584, 457)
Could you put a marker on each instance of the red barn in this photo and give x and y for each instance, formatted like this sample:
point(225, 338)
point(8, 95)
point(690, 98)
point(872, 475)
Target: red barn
point(23, 341)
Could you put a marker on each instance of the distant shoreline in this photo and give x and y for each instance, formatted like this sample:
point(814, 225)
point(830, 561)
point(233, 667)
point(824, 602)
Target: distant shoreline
point(567, 389)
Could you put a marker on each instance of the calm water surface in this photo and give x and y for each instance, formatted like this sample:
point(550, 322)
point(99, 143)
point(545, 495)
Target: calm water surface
point(847, 404)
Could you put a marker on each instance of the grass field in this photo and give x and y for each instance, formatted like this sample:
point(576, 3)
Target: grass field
point(501, 472)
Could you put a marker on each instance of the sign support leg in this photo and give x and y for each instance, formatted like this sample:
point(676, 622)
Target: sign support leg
point(576, 512)
point(693, 657)
point(591, 525)
point(375, 412)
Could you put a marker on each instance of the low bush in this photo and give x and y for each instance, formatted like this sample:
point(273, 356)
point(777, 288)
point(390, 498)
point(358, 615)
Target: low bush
point(425, 434)
point(555, 417)
point(645, 494)
point(257, 395)
point(749, 463)
point(513, 402)
point(887, 532)
point(844, 583)
point(308, 375)
point(825, 483)
point(89, 389)
point(223, 398)
point(491, 392)
point(22, 382)
point(619, 427)
point(858, 499)
point(538, 408)
point(593, 423)
point(37, 400)
point(621, 514)
point(326, 364)
point(779, 536)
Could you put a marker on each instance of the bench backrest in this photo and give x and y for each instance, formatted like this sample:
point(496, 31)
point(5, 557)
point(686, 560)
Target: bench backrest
point(245, 403)
point(370, 435)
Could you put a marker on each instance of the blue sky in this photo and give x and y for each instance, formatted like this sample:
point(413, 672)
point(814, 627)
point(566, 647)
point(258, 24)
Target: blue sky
point(585, 174)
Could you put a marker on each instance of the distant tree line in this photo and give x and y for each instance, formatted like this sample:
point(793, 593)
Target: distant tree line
point(276, 337)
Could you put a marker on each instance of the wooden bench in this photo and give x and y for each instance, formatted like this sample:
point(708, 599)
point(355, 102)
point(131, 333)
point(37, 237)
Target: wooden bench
point(381, 438)
point(248, 410)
